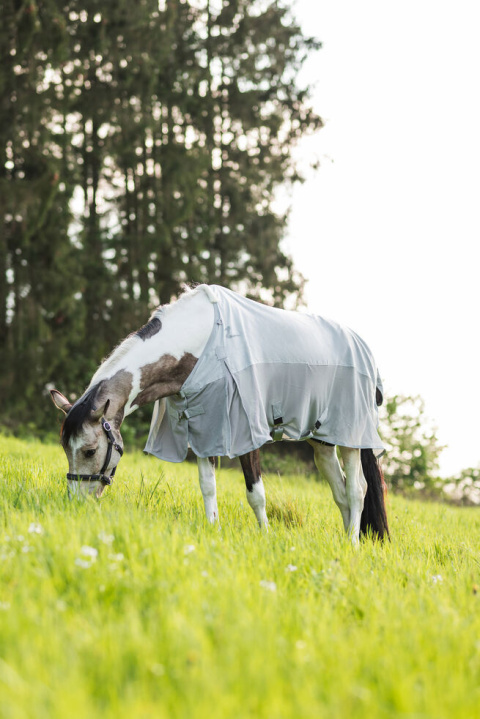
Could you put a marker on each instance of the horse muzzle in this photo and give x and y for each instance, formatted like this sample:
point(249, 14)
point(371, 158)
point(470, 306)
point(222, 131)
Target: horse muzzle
point(83, 489)
point(96, 483)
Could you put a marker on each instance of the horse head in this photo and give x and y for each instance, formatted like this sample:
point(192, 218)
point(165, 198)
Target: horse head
point(92, 443)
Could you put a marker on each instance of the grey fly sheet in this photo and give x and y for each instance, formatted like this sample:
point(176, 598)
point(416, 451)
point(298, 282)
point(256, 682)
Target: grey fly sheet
point(266, 374)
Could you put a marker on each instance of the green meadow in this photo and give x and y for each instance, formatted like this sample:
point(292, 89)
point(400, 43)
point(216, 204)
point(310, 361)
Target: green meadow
point(132, 606)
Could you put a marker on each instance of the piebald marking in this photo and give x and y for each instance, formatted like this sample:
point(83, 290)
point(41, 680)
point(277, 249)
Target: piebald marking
point(152, 364)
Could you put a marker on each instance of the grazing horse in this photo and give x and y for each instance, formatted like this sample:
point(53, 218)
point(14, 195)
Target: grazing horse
point(228, 375)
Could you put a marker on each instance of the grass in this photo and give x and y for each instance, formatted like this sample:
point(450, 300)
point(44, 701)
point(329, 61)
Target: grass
point(135, 607)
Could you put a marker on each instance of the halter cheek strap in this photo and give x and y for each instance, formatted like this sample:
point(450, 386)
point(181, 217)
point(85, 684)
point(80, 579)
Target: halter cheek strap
point(101, 477)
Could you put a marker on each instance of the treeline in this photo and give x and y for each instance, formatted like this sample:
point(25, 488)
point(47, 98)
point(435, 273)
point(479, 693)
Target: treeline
point(142, 143)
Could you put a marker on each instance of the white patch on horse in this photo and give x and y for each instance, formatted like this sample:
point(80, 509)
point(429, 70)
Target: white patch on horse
point(257, 501)
point(356, 489)
point(328, 465)
point(186, 327)
point(74, 445)
point(206, 476)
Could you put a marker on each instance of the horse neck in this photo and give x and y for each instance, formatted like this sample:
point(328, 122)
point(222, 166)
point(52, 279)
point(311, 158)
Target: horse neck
point(146, 368)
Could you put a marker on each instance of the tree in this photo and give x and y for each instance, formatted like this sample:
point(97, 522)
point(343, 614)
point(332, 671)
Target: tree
point(411, 443)
point(37, 260)
point(252, 116)
point(464, 487)
point(141, 149)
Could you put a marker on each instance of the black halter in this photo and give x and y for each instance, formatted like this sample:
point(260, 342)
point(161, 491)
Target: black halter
point(101, 477)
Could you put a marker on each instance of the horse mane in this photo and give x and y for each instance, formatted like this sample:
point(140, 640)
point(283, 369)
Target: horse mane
point(81, 410)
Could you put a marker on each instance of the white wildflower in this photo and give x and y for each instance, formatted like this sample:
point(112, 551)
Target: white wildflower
point(83, 563)
point(26, 548)
point(116, 557)
point(189, 548)
point(89, 552)
point(35, 528)
point(291, 568)
point(106, 538)
point(270, 586)
point(4, 606)
point(437, 578)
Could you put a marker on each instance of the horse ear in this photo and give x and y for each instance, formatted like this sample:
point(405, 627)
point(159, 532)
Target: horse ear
point(97, 414)
point(60, 401)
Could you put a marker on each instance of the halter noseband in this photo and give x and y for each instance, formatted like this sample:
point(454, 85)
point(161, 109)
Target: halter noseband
point(101, 477)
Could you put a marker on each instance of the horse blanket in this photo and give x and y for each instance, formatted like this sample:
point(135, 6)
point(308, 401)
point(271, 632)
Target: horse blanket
point(267, 374)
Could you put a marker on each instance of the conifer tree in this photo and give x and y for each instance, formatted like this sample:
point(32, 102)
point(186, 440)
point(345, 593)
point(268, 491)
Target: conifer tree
point(36, 258)
point(141, 147)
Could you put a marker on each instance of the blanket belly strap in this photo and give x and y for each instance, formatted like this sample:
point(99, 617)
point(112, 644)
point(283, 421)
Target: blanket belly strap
point(186, 413)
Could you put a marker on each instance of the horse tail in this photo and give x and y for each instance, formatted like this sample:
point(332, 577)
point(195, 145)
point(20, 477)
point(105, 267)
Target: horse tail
point(374, 515)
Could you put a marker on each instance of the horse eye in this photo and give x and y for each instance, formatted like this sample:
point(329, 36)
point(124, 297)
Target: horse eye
point(90, 452)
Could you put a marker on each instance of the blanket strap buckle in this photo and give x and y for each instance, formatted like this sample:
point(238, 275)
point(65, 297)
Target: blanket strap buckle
point(191, 412)
point(277, 434)
point(277, 431)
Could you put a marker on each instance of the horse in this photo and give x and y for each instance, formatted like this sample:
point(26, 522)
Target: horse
point(227, 375)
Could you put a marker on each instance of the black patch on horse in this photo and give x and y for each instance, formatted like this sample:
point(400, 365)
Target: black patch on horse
point(150, 329)
point(79, 413)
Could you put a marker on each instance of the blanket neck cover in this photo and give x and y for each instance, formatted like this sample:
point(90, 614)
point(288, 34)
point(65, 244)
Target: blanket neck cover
point(269, 374)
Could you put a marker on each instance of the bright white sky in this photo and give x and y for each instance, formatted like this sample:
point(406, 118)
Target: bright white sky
point(387, 231)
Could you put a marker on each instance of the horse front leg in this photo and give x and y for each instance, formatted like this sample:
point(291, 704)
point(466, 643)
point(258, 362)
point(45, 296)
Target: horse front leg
point(255, 490)
point(206, 476)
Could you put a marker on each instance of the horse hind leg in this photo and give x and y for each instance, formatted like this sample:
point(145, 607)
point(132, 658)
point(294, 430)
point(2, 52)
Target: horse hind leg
point(255, 490)
point(206, 476)
point(327, 463)
point(356, 488)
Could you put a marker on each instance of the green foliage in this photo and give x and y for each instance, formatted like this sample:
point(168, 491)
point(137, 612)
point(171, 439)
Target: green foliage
point(141, 146)
point(135, 607)
point(410, 439)
point(464, 487)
